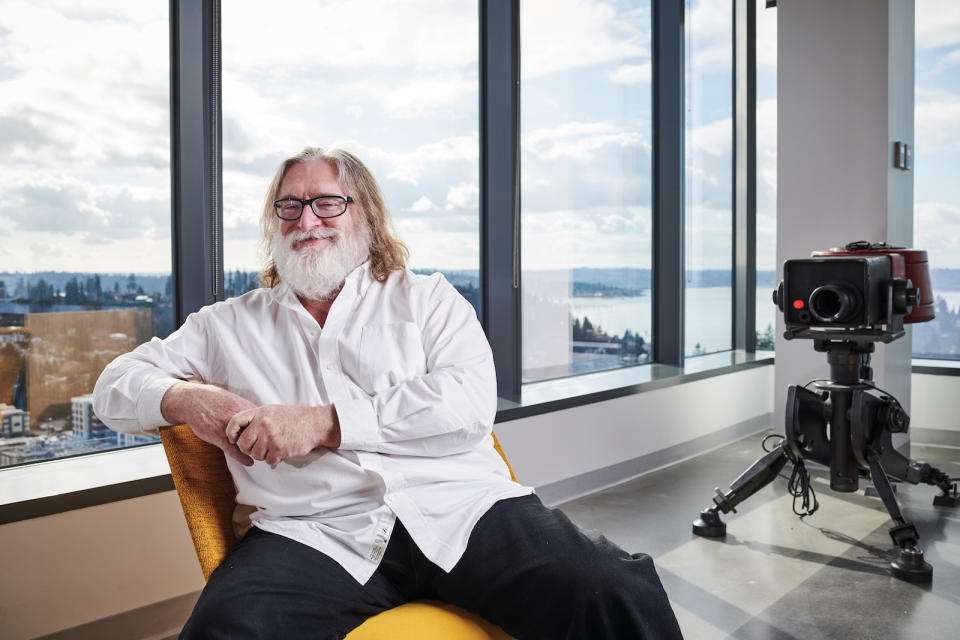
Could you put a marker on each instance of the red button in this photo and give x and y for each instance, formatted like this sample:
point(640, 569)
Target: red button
point(798, 304)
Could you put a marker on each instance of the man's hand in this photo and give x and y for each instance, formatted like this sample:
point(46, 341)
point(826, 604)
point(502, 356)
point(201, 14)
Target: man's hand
point(207, 409)
point(274, 432)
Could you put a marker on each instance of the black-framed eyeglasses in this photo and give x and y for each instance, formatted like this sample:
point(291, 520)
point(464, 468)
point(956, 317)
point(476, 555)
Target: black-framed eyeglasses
point(322, 207)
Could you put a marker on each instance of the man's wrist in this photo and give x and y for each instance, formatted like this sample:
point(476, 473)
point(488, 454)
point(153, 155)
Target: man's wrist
point(173, 402)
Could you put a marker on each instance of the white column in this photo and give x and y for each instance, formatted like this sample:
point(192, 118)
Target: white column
point(845, 95)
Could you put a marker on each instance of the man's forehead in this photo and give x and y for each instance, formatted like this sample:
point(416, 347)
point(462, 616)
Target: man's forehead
point(310, 174)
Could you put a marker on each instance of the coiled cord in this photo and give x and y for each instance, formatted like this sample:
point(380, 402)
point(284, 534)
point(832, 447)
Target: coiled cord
point(798, 484)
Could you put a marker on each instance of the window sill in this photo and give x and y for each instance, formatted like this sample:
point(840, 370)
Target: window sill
point(55, 486)
point(936, 367)
point(552, 395)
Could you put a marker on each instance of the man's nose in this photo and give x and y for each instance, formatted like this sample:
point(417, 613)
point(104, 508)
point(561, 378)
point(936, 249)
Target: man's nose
point(308, 220)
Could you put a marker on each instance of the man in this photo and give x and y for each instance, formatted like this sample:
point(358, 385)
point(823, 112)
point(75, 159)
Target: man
point(354, 401)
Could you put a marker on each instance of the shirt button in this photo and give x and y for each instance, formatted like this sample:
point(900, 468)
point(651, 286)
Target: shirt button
point(316, 332)
point(331, 366)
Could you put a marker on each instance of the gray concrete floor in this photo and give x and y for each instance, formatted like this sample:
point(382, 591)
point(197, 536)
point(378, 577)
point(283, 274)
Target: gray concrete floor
point(775, 576)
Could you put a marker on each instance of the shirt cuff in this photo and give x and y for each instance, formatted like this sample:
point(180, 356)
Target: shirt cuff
point(359, 428)
point(148, 404)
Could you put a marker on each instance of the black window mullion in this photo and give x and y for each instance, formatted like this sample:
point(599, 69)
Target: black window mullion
point(668, 179)
point(745, 175)
point(499, 188)
point(195, 150)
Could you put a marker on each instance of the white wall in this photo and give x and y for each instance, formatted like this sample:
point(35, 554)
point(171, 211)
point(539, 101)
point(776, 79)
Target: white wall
point(845, 94)
point(935, 410)
point(71, 568)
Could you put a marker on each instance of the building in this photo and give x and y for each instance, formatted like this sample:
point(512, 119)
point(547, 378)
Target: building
point(13, 422)
point(86, 424)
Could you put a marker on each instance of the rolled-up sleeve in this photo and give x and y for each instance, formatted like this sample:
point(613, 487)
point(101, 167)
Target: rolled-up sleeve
point(128, 393)
point(448, 409)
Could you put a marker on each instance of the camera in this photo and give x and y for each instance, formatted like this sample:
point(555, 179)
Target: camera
point(862, 290)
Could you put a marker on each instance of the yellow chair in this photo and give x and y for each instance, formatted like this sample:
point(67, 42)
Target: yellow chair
point(208, 495)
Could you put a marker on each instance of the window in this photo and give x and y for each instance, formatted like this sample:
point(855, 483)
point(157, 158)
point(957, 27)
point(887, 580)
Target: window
point(395, 83)
point(936, 221)
point(85, 213)
point(708, 188)
point(766, 175)
point(585, 186)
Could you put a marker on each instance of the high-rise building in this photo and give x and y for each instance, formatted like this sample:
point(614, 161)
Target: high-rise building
point(86, 424)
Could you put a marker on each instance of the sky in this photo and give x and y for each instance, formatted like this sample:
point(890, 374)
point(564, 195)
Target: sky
point(84, 127)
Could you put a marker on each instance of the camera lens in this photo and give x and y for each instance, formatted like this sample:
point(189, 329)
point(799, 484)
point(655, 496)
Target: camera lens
point(834, 302)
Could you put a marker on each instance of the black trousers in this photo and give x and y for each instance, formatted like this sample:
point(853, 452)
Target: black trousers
point(527, 568)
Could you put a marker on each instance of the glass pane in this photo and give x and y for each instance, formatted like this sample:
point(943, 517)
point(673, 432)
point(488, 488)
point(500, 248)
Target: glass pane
point(708, 189)
point(766, 174)
point(85, 209)
point(936, 213)
point(585, 186)
point(394, 83)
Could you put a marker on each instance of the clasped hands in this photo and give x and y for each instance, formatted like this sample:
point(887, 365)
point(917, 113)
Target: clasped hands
point(246, 432)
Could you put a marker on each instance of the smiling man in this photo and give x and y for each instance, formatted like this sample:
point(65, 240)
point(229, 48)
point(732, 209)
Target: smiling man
point(354, 401)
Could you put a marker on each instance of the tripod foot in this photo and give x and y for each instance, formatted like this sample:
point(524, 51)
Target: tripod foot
point(709, 525)
point(910, 566)
point(949, 497)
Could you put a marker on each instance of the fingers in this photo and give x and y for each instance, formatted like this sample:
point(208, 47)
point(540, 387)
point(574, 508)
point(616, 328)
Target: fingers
point(235, 453)
point(238, 422)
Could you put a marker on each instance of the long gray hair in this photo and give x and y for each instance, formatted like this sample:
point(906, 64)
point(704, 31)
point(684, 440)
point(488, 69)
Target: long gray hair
point(387, 252)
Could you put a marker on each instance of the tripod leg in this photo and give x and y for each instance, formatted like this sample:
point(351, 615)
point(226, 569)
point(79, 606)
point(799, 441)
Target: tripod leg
point(910, 565)
point(760, 474)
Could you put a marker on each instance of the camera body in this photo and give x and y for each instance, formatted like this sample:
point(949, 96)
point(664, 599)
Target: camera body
point(863, 290)
point(847, 292)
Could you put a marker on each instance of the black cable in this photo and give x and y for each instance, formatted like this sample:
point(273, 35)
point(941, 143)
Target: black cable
point(798, 484)
point(800, 488)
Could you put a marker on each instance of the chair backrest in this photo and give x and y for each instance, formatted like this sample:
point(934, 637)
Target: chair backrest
point(208, 495)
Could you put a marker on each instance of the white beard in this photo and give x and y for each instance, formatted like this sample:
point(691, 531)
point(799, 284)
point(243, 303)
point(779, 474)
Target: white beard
point(317, 273)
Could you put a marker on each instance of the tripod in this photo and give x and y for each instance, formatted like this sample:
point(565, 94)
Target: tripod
point(861, 419)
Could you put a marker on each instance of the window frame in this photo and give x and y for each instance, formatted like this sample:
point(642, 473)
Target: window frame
point(197, 212)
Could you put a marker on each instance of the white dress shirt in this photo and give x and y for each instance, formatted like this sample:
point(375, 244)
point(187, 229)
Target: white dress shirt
point(411, 375)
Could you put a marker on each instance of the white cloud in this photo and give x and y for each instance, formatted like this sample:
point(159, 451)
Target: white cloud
point(417, 98)
point(465, 195)
point(561, 35)
point(427, 35)
point(422, 204)
point(709, 38)
point(631, 74)
point(579, 141)
point(936, 228)
point(412, 165)
point(938, 23)
point(607, 236)
point(936, 120)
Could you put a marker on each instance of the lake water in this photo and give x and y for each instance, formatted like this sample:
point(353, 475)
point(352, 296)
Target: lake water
point(707, 314)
